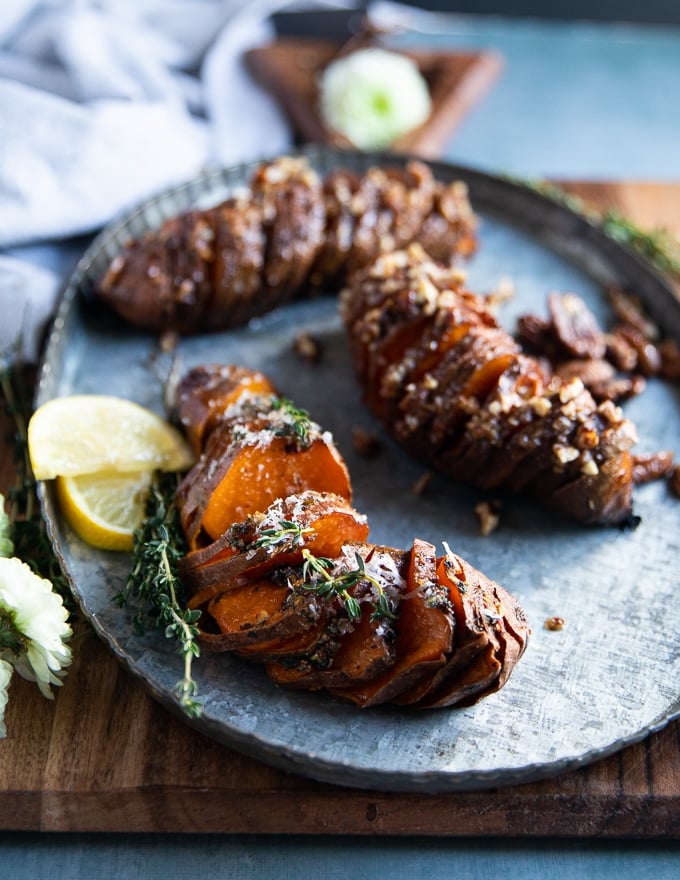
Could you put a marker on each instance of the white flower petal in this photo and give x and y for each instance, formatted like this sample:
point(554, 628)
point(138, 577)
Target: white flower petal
point(373, 96)
point(39, 615)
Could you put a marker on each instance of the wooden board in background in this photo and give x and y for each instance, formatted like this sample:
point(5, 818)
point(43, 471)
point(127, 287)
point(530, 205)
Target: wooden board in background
point(104, 757)
point(289, 69)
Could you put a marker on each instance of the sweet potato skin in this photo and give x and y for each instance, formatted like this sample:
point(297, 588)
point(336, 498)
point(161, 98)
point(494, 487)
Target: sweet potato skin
point(488, 647)
point(205, 393)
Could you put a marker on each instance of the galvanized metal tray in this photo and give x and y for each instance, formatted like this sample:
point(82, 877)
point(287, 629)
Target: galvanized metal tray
point(606, 680)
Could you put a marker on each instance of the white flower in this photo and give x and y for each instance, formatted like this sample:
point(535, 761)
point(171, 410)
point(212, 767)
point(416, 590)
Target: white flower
point(5, 674)
point(373, 97)
point(34, 616)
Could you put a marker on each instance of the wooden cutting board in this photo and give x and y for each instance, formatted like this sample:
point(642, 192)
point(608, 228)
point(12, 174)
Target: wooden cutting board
point(104, 757)
point(290, 68)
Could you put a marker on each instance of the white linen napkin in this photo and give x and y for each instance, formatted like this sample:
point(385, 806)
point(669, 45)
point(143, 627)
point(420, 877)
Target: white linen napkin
point(27, 295)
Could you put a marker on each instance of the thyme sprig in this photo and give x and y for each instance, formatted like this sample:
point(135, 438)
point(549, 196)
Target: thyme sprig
point(316, 576)
point(297, 424)
point(288, 533)
point(28, 532)
point(658, 246)
point(154, 581)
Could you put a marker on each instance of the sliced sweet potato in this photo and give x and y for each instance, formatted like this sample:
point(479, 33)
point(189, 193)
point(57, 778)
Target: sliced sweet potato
point(425, 632)
point(288, 649)
point(363, 648)
point(254, 477)
point(261, 610)
point(440, 394)
point(487, 650)
point(282, 573)
point(474, 680)
point(240, 241)
point(363, 653)
point(319, 522)
point(243, 471)
point(205, 393)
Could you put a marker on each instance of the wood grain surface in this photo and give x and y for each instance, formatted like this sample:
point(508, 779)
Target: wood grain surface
point(290, 70)
point(104, 757)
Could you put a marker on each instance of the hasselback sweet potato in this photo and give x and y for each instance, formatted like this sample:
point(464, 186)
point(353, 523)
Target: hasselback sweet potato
point(456, 390)
point(287, 578)
point(487, 649)
point(291, 231)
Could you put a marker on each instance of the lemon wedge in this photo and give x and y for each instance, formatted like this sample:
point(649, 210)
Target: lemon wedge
point(104, 509)
point(92, 433)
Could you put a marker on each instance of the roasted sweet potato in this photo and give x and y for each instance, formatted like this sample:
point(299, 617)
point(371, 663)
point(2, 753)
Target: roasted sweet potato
point(205, 393)
point(288, 233)
point(286, 578)
point(260, 611)
point(361, 654)
point(486, 649)
point(318, 522)
point(456, 390)
point(360, 648)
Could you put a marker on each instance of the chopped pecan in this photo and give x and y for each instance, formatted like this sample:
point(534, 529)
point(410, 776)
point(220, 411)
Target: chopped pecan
point(621, 352)
point(488, 514)
point(648, 357)
point(599, 377)
point(619, 388)
point(365, 443)
point(630, 310)
point(652, 467)
point(575, 326)
point(536, 333)
point(307, 348)
point(591, 371)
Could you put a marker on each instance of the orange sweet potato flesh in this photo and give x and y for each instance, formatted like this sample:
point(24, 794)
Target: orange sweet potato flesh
point(357, 651)
point(260, 611)
point(363, 653)
point(256, 477)
point(291, 648)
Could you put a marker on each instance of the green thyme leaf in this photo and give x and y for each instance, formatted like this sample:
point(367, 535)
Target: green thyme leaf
point(296, 425)
point(288, 533)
